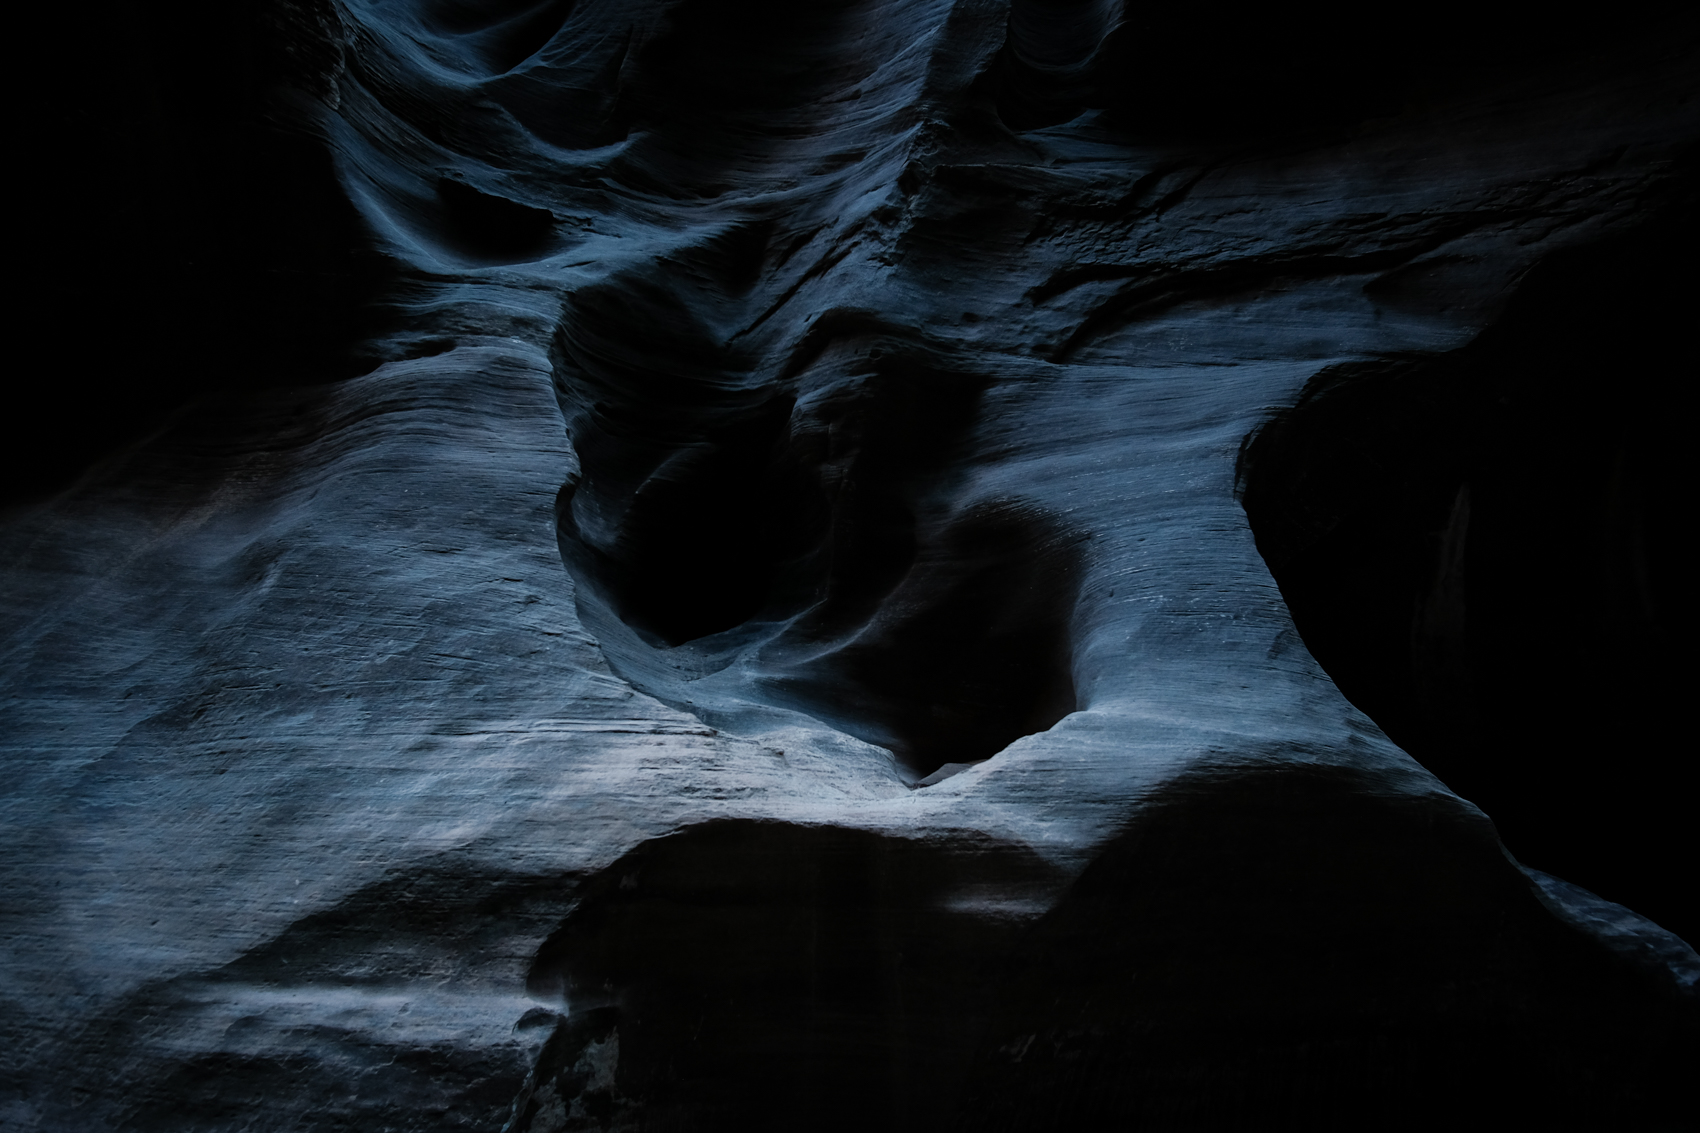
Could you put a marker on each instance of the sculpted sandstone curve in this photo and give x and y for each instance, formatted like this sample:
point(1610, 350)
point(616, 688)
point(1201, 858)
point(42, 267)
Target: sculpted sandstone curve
point(763, 565)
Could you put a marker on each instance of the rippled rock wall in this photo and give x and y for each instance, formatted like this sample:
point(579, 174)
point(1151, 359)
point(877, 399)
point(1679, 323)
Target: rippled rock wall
point(706, 564)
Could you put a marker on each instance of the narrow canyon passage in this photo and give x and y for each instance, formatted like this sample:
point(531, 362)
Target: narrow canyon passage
point(879, 564)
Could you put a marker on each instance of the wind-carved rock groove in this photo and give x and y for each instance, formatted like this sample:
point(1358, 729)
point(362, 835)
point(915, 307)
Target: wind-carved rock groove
point(811, 527)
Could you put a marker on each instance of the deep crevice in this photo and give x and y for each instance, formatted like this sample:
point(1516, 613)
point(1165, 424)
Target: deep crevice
point(688, 505)
point(699, 546)
point(1483, 549)
point(486, 226)
point(971, 652)
point(821, 511)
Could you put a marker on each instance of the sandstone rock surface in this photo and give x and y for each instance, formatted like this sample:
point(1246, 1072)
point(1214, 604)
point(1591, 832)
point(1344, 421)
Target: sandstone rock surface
point(766, 408)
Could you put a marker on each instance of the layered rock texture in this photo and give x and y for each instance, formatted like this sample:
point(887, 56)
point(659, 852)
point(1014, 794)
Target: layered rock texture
point(886, 564)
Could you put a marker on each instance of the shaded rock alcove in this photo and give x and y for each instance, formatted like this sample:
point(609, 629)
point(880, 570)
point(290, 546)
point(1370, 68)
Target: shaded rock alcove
point(809, 534)
point(760, 976)
point(1483, 548)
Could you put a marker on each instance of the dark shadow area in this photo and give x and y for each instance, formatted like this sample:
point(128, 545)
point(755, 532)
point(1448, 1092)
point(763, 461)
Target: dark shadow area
point(715, 85)
point(875, 445)
point(1210, 72)
point(972, 651)
point(1280, 949)
point(1047, 72)
point(703, 505)
point(187, 233)
point(1272, 948)
point(489, 227)
point(1484, 549)
point(761, 975)
point(706, 534)
point(720, 66)
point(690, 503)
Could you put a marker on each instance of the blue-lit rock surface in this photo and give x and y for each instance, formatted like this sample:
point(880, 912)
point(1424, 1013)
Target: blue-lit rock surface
point(774, 404)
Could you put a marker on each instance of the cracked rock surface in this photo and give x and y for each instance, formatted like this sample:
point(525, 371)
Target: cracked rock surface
point(772, 567)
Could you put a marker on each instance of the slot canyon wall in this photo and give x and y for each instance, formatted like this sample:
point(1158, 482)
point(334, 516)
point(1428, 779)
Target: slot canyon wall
point(876, 564)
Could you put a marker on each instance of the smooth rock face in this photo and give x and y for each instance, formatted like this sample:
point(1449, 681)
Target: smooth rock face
point(776, 635)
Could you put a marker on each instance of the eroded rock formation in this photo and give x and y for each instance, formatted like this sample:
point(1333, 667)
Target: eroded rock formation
point(732, 564)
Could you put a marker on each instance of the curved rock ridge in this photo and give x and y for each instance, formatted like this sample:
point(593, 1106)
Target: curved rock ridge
point(773, 637)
